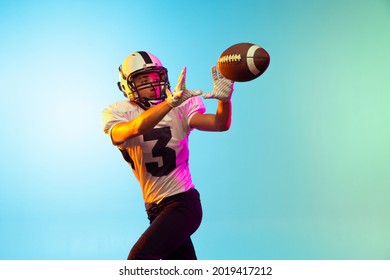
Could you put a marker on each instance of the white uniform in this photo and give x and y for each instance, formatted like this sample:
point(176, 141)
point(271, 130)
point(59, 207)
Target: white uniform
point(159, 158)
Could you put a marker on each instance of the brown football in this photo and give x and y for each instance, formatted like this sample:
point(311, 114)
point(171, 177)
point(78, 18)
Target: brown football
point(243, 62)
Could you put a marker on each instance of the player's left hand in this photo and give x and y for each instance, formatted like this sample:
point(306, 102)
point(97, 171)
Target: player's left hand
point(223, 88)
point(181, 93)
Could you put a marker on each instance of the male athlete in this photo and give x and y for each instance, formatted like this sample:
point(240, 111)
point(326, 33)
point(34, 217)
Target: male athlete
point(151, 130)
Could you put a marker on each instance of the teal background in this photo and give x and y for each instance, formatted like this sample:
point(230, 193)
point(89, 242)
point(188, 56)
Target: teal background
point(303, 173)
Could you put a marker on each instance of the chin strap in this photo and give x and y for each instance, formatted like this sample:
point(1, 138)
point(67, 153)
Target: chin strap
point(143, 103)
point(147, 103)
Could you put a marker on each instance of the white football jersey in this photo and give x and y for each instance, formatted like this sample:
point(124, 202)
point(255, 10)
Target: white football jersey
point(159, 158)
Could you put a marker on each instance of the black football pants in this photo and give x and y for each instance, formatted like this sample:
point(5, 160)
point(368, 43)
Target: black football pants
point(172, 222)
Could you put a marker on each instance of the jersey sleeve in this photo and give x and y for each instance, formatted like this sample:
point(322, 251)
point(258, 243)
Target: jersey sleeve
point(192, 106)
point(116, 113)
point(110, 117)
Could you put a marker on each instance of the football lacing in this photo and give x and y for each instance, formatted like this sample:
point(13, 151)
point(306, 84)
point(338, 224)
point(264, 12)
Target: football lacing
point(230, 58)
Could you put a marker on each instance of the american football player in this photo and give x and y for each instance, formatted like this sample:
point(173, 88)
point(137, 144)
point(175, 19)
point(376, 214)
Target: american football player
point(151, 129)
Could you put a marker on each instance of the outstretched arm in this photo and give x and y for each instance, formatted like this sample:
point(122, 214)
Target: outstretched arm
point(151, 117)
point(143, 123)
point(221, 120)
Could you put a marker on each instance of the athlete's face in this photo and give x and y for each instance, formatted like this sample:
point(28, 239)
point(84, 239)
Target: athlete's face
point(144, 84)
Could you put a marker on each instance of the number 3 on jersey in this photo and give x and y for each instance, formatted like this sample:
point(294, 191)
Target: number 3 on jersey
point(160, 149)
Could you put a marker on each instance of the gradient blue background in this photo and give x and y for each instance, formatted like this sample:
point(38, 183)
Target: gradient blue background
point(302, 174)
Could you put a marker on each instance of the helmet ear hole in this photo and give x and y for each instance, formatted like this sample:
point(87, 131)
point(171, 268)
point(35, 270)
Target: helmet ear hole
point(122, 89)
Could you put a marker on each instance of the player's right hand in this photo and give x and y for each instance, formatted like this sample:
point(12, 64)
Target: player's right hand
point(181, 94)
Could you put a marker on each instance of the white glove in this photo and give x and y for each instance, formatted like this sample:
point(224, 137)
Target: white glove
point(223, 88)
point(181, 94)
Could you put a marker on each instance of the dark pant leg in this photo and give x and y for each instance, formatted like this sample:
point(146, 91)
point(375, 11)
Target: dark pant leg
point(168, 236)
point(185, 251)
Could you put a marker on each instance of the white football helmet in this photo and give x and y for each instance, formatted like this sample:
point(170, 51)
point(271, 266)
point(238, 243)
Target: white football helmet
point(140, 63)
